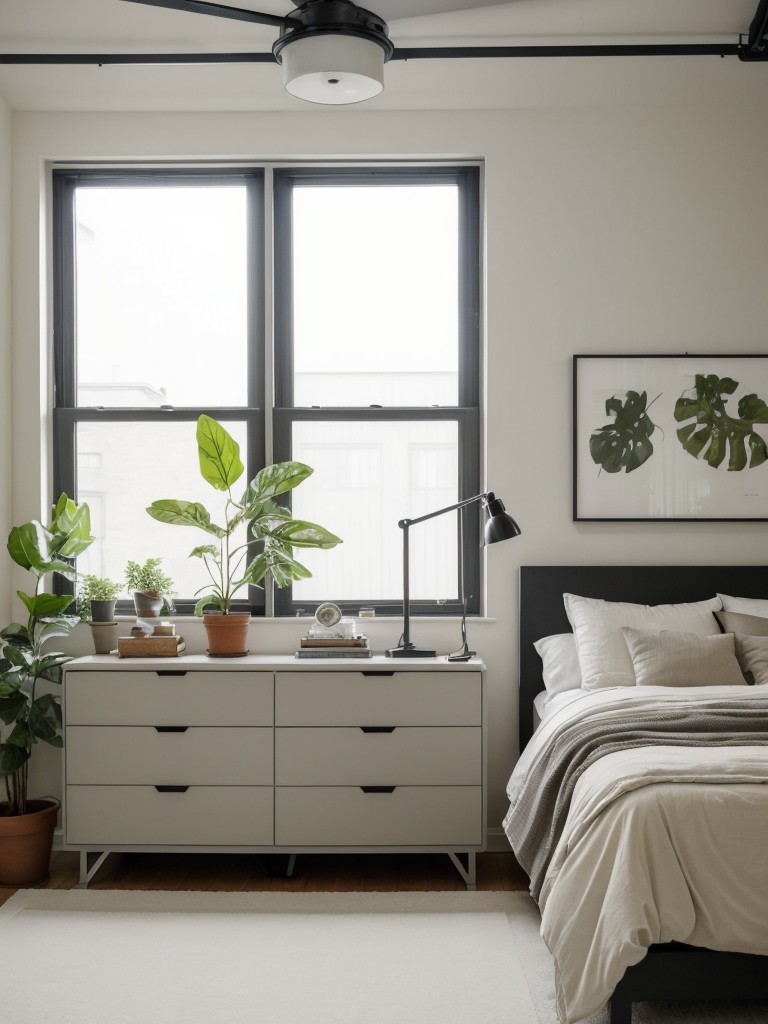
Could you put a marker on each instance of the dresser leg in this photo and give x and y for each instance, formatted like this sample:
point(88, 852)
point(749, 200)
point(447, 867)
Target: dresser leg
point(466, 870)
point(87, 871)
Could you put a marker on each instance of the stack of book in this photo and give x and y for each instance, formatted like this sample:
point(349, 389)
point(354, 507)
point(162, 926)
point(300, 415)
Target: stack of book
point(334, 647)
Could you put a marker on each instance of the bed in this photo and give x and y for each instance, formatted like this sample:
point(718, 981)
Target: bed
point(590, 835)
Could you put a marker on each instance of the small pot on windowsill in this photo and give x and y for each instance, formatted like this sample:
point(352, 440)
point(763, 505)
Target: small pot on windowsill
point(148, 603)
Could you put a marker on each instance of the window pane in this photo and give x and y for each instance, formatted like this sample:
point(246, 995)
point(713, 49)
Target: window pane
point(124, 467)
point(367, 477)
point(161, 282)
point(375, 274)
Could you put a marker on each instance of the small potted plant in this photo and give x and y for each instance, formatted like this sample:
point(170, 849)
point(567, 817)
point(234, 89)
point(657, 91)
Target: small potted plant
point(271, 534)
point(150, 586)
point(96, 597)
point(26, 667)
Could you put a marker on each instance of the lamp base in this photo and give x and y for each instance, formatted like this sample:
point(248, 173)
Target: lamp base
point(410, 651)
point(463, 654)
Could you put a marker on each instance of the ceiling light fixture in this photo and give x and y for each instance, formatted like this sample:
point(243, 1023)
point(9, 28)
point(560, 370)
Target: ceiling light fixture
point(333, 52)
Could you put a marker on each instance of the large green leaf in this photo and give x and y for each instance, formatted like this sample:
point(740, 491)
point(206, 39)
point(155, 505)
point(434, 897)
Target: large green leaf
point(12, 758)
point(185, 513)
point(219, 454)
point(209, 601)
point(713, 434)
point(29, 547)
point(625, 443)
point(20, 736)
point(301, 534)
point(71, 527)
point(45, 719)
point(275, 479)
point(46, 605)
point(12, 706)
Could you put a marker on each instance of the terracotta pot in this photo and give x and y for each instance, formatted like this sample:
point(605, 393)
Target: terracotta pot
point(227, 634)
point(26, 841)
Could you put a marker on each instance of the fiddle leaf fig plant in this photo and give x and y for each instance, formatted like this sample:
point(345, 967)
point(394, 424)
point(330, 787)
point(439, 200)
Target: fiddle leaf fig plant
point(626, 442)
point(29, 717)
point(713, 432)
point(271, 532)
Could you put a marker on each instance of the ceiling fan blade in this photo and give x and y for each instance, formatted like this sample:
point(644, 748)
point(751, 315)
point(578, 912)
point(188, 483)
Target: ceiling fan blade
point(215, 10)
point(136, 59)
point(392, 9)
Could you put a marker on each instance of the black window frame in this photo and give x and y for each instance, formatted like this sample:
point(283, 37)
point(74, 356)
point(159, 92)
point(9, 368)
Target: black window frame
point(284, 179)
point(466, 413)
point(66, 412)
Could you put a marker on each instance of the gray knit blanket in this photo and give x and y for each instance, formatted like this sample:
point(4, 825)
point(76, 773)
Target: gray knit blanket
point(535, 822)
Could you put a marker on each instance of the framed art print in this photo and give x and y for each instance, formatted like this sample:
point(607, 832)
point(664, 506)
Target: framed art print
point(670, 437)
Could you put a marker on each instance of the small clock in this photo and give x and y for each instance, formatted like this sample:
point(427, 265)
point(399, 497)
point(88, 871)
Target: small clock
point(328, 614)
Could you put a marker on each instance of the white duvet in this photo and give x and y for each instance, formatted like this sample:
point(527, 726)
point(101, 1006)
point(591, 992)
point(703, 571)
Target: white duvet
point(661, 844)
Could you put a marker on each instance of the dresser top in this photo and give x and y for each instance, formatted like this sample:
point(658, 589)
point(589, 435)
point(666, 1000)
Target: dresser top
point(273, 662)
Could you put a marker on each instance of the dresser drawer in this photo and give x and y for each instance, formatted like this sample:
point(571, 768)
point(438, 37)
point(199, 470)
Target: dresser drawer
point(142, 755)
point(408, 755)
point(141, 697)
point(408, 816)
point(126, 816)
point(378, 698)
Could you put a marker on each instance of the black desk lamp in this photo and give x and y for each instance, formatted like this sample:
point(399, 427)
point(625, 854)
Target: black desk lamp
point(499, 526)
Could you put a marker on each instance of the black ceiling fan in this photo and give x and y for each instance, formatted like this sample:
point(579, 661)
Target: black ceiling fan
point(333, 51)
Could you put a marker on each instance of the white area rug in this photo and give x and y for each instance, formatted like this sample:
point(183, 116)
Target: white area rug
point(120, 957)
point(108, 957)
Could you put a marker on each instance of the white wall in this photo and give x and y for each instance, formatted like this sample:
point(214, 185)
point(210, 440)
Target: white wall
point(5, 347)
point(608, 230)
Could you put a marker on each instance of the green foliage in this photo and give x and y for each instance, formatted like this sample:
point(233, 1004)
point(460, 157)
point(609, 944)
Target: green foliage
point(34, 717)
point(95, 588)
point(148, 576)
point(271, 531)
point(625, 443)
point(713, 434)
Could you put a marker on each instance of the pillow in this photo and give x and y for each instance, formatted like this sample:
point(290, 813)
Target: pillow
point(560, 659)
point(745, 605)
point(683, 659)
point(752, 652)
point(735, 622)
point(603, 654)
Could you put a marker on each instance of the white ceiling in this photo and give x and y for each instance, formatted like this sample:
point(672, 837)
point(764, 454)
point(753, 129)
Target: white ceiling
point(117, 26)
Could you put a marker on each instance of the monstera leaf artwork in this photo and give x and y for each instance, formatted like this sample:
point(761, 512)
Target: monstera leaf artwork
point(626, 442)
point(710, 432)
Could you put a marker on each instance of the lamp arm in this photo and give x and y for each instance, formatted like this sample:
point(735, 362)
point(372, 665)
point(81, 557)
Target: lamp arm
point(405, 523)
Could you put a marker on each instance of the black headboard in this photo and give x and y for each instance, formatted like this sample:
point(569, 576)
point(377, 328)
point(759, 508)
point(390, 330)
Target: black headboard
point(542, 611)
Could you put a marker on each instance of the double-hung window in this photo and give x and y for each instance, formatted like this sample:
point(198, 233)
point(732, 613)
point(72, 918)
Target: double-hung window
point(329, 315)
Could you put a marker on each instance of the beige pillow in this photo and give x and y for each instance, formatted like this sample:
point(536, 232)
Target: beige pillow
point(596, 624)
point(744, 605)
point(683, 659)
point(752, 652)
point(735, 622)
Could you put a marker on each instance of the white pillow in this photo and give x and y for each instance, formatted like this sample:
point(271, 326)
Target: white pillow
point(752, 652)
point(683, 659)
point(596, 624)
point(560, 662)
point(745, 605)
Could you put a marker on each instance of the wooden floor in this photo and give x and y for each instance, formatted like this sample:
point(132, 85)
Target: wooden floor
point(312, 873)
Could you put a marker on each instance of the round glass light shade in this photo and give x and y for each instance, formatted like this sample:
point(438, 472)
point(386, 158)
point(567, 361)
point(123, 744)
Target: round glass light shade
point(333, 68)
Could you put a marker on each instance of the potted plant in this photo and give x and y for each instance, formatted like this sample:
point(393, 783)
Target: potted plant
point(150, 586)
point(271, 534)
point(96, 597)
point(30, 717)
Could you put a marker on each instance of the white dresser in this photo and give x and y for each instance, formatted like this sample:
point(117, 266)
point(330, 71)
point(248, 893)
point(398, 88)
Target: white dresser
point(267, 754)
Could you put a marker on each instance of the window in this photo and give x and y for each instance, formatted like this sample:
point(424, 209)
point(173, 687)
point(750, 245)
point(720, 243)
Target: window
point(160, 314)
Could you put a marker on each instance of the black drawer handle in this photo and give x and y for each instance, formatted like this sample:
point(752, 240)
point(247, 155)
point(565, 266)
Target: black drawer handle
point(378, 672)
point(378, 789)
point(171, 789)
point(378, 728)
point(171, 728)
point(170, 672)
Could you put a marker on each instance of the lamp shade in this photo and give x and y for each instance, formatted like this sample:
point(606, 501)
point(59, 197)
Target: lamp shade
point(500, 525)
point(333, 68)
